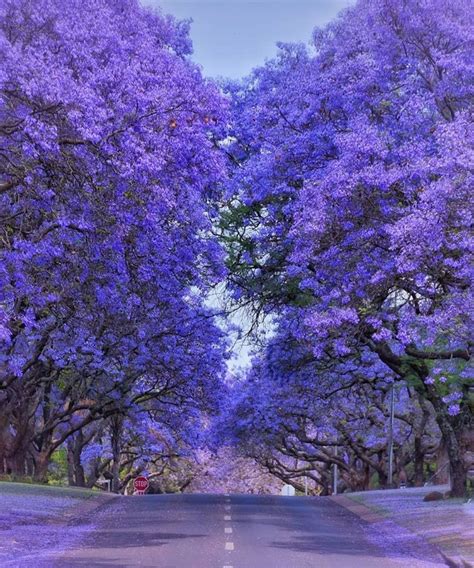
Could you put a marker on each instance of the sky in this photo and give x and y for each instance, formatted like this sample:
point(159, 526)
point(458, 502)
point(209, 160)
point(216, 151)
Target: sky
point(230, 37)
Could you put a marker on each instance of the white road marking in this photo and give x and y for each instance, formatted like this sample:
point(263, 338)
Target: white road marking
point(228, 530)
point(229, 546)
point(227, 518)
point(227, 507)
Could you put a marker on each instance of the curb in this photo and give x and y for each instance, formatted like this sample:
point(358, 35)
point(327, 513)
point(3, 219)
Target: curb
point(456, 561)
point(362, 511)
point(93, 503)
point(371, 516)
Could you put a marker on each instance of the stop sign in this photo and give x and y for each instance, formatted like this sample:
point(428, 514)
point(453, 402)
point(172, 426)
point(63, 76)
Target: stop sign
point(140, 483)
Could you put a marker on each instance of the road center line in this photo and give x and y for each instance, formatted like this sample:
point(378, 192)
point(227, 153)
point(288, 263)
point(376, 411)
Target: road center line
point(228, 530)
point(227, 507)
point(229, 546)
point(227, 518)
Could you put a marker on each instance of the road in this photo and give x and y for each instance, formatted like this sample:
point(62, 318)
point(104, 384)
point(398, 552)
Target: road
point(237, 531)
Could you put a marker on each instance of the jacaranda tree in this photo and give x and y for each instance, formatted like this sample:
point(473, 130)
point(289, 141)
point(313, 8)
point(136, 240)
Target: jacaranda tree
point(299, 416)
point(108, 171)
point(350, 205)
point(343, 180)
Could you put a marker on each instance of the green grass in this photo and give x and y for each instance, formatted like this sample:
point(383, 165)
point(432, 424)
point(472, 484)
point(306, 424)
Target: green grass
point(9, 487)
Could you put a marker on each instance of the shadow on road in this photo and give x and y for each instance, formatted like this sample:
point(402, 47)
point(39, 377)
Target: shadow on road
point(178, 531)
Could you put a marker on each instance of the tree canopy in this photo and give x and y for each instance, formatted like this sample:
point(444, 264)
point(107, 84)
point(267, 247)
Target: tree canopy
point(330, 191)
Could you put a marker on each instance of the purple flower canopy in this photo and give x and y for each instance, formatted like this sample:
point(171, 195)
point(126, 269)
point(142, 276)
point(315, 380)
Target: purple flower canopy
point(109, 171)
point(353, 202)
point(331, 190)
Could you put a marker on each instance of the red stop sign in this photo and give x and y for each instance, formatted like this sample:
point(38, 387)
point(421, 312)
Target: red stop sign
point(140, 483)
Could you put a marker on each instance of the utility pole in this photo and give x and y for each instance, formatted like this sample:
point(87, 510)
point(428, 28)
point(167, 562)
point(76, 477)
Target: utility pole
point(334, 486)
point(390, 436)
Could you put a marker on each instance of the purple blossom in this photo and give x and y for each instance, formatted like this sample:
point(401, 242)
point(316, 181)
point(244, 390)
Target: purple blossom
point(453, 409)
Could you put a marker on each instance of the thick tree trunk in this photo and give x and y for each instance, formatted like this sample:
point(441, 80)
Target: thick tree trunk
point(452, 440)
point(71, 478)
point(458, 478)
point(116, 427)
point(76, 475)
point(419, 457)
point(16, 464)
point(451, 427)
point(419, 462)
point(367, 475)
point(41, 466)
point(80, 478)
point(383, 480)
point(15, 440)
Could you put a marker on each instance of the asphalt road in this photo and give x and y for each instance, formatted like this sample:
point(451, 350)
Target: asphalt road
point(217, 531)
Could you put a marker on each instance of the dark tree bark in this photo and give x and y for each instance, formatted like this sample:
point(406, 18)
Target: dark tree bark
point(41, 466)
point(418, 462)
point(452, 427)
point(116, 430)
point(76, 474)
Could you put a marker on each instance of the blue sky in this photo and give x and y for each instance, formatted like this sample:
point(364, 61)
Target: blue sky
point(231, 37)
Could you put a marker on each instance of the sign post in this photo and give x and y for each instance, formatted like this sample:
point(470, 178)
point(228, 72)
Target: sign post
point(335, 480)
point(390, 437)
point(140, 484)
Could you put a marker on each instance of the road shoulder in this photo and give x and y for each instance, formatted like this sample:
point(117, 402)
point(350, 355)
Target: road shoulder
point(446, 526)
point(38, 522)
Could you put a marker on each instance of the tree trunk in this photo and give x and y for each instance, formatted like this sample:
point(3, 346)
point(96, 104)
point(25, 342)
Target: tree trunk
point(71, 478)
point(367, 475)
point(451, 427)
point(116, 427)
point(41, 466)
point(383, 479)
point(16, 464)
point(80, 476)
point(458, 478)
point(419, 462)
point(452, 439)
point(78, 469)
point(76, 475)
point(15, 441)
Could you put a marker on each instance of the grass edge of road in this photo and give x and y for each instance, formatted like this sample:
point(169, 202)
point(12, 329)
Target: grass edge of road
point(67, 517)
point(88, 500)
point(88, 505)
point(42, 489)
point(372, 513)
